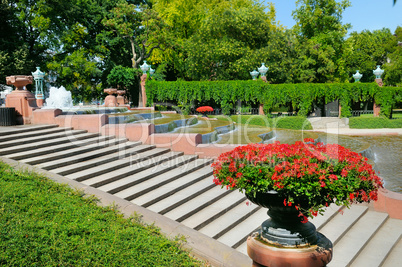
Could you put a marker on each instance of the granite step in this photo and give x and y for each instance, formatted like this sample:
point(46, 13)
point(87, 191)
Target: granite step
point(146, 164)
point(40, 138)
point(381, 245)
point(63, 147)
point(239, 233)
point(120, 155)
point(335, 229)
point(4, 131)
point(223, 224)
point(167, 169)
point(110, 166)
point(186, 184)
point(79, 157)
point(163, 179)
point(356, 238)
point(394, 257)
point(110, 145)
point(197, 203)
point(75, 135)
point(40, 133)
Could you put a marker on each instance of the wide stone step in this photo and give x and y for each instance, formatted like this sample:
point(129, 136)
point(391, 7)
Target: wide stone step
point(184, 186)
point(321, 220)
point(160, 180)
point(377, 250)
point(50, 159)
point(41, 138)
point(79, 157)
point(4, 131)
point(40, 133)
point(75, 135)
point(63, 147)
point(350, 245)
point(335, 229)
point(196, 204)
point(394, 257)
point(110, 166)
point(214, 211)
point(239, 233)
point(80, 166)
point(130, 170)
point(223, 224)
point(168, 169)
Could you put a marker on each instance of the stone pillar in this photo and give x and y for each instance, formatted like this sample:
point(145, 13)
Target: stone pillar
point(261, 107)
point(377, 108)
point(22, 100)
point(40, 102)
point(143, 94)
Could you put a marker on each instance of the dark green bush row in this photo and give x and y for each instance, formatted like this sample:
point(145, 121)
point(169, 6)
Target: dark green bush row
point(299, 96)
point(373, 123)
point(294, 123)
point(46, 224)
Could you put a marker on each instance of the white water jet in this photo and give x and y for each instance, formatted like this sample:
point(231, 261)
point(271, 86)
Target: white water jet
point(59, 98)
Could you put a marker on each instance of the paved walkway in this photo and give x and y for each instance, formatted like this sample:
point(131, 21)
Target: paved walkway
point(349, 131)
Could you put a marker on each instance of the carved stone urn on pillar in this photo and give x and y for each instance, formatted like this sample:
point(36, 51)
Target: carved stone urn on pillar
point(120, 97)
point(110, 100)
point(22, 100)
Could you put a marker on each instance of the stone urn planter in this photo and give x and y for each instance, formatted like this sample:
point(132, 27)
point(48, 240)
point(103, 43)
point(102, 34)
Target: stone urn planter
point(22, 100)
point(295, 181)
point(285, 238)
point(110, 100)
point(120, 97)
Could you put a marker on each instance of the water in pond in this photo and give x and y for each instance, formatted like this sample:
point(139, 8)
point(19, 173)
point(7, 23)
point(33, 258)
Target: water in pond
point(388, 159)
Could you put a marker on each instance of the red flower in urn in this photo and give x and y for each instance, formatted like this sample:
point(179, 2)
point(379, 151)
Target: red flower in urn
point(304, 175)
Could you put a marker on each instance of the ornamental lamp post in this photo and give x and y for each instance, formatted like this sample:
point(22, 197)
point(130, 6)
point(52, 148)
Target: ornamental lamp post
point(151, 71)
point(39, 77)
point(145, 67)
point(254, 74)
point(378, 72)
point(357, 76)
point(263, 70)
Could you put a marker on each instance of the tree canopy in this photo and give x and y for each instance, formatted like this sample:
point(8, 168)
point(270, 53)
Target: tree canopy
point(92, 44)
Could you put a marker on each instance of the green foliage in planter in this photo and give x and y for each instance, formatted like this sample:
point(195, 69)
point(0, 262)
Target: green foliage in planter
point(43, 223)
point(294, 123)
point(374, 123)
point(298, 96)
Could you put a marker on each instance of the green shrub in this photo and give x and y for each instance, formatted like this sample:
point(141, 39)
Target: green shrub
point(374, 123)
point(294, 123)
point(43, 223)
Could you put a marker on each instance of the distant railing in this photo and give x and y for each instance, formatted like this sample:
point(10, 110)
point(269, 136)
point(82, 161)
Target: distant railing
point(357, 113)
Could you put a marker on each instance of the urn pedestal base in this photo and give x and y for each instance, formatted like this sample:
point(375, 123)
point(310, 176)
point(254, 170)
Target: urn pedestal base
point(264, 254)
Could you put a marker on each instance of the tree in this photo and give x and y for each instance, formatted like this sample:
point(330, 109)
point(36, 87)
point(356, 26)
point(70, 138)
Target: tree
point(393, 68)
point(226, 40)
point(321, 36)
point(367, 49)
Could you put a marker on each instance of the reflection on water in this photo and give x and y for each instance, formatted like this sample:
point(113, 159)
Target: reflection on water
point(388, 159)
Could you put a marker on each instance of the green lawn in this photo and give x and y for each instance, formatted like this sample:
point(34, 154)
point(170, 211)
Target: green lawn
point(371, 122)
point(43, 223)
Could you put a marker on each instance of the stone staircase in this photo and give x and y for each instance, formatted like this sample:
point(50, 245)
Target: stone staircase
point(180, 188)
point(319, 123)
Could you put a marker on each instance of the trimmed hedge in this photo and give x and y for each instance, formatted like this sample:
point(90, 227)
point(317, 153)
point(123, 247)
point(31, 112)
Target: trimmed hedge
point(374, 123)
point(294, 123)
point(299, 96)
